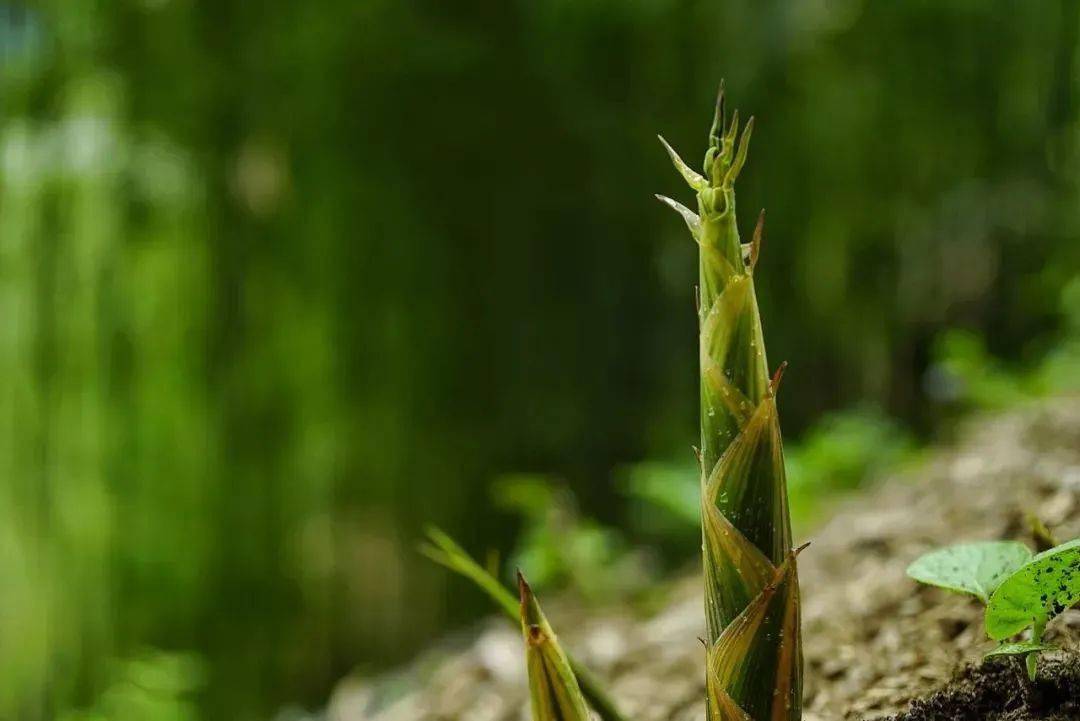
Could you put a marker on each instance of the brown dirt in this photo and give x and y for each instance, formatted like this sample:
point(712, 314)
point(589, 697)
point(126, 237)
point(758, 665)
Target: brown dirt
point(1000, 691)
point(874, 641)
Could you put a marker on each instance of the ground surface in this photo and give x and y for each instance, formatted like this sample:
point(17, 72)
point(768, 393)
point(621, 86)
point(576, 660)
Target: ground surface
point(873, 639)
point(999, 691)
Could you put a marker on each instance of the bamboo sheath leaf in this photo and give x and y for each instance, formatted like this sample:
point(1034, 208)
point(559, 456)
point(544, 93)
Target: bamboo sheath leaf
point(745, 663)
point(442, 549)
point(734, 568)
point(553, 688)
point(693, 222)
point(743, 484)
point(692, 177)
point(754, 650)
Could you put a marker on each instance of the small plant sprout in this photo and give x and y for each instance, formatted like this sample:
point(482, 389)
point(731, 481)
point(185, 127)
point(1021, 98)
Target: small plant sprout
point(754, 646)
point(753, 650)
point(442, 549)
point(1037, 592)
point(553, 687)
point(1020, 590)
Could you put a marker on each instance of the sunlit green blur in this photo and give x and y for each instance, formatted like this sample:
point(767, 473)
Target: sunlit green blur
point(282, 282)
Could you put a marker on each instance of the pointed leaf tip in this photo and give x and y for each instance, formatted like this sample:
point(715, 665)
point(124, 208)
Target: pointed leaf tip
point(717, 129)
point(524, 590)
point(778, 376)
point(693, 222)
point(755, 242)
point(694, 179)
point(554, 689)
point(526, 599)
point(740, 153)
point(446, 552)
point(729, 137)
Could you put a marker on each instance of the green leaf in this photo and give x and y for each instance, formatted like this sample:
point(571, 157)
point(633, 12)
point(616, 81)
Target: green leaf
point(1041, 589)
point(693, 222)
point(975, 568)
point(1020, 648)
point(694, 179)
point(444, 551)
point(740, 155)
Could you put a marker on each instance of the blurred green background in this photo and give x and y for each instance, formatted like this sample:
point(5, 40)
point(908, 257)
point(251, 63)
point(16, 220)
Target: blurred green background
point(282, 282)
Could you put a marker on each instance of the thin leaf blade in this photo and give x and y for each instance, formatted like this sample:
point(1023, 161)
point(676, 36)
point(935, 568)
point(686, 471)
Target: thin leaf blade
point(694, 179)
point(445, 551)
point(693, 222)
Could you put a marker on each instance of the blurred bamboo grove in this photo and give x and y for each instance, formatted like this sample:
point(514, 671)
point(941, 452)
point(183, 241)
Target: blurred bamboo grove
point(280, 282)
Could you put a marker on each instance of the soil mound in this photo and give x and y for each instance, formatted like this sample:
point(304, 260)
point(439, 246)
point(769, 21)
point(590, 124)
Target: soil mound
point(1000, 691)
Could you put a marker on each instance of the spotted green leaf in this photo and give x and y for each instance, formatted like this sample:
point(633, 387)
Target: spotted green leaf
point(975, 568)
point(1041, 589)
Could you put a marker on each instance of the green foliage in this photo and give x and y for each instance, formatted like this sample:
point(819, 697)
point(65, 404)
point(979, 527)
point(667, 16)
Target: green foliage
point(445, 551)
point(248, 353)
point(155, 686)
point(669, 498)
point(560, 546)
point(840, 453)
point(1036, 593)
point(975, 568)
point(966, 372)
point(1020, 590)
